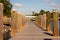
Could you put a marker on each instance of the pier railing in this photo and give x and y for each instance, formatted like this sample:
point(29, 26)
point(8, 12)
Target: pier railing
point(44, 20)
point(17, 23)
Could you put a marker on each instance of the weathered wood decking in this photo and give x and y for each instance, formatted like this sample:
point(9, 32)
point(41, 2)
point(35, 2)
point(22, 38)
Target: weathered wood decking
point(32, 32)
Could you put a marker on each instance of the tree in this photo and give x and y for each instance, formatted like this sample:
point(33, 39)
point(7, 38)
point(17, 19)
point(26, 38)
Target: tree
point(59, 14)
point(47, 12)
point(7, 7)
point(42, 12)
point(52, 15)
point(35, 14)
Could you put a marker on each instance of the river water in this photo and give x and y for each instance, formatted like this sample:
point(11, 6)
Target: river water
point(51, 27)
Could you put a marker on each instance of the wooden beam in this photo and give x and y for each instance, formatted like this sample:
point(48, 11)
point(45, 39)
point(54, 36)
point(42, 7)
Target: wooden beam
point(1, 21)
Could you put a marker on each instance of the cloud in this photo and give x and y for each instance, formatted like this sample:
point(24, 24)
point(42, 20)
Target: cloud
point(48, 0)
point(18, 5)
point(55, 5)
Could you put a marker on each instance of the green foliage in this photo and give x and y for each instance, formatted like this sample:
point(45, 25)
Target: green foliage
point(52, 15)
point(59, 14)
point(35, 14)
point(47, 12)
point(7, 7)
point(42, 12)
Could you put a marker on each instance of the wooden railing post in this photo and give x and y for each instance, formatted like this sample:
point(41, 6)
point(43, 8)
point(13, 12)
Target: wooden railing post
point(1, 21)
point(13, 23)
point(55, 22)
point(48, 22)
point(44, 21)
point(19, 22)
point(41, 20)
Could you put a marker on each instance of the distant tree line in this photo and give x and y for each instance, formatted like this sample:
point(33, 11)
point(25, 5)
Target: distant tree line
point(42, 12)
point(39, 13)
point(7, 7)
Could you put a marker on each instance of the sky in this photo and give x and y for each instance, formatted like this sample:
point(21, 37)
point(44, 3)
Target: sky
point(27, 6)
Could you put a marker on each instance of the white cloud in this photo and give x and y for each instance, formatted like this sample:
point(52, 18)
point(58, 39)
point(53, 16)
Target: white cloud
point(48, 0)
point(18, 5)
point(55, 5)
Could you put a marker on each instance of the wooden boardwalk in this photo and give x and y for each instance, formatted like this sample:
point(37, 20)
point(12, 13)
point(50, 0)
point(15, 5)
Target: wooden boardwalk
point(32, 32)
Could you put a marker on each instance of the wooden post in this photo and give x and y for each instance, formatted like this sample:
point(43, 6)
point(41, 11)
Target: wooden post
point(44, 21)
point(19, 22)
point(38, 21)
point(16, 20)
point(13, 23)
point(48, 22)
point(41, 20)
point(55, 22)
point(1, 21)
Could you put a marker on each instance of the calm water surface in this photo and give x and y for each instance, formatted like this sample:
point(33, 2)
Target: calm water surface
point(51, 27)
